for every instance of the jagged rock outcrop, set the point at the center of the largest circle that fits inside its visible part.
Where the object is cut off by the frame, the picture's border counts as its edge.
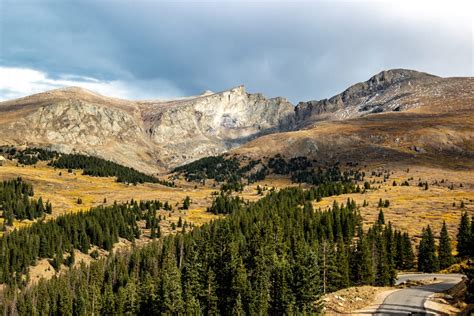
(390, 90)
(148, 135)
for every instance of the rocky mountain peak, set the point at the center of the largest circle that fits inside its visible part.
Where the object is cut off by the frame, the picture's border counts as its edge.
(389, 90)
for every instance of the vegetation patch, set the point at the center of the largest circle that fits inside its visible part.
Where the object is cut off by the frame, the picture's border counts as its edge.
(17, 203)
(97, 167)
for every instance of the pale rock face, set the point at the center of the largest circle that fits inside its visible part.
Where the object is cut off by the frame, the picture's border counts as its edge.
(213, 123)
(148, 135)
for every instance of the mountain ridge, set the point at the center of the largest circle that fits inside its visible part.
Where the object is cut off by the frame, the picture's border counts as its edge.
(149, 135)
(156, 135)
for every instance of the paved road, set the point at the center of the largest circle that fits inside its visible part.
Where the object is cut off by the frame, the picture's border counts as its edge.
(411, 301)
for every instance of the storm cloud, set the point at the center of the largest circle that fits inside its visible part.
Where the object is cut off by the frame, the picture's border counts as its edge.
(160, 49)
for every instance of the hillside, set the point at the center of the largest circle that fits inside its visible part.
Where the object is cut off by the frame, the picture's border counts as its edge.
(147, 135)
(436, 128)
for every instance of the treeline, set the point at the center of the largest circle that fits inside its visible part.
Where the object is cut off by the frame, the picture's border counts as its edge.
(225, 203)
(274, 256)
(101, 226)
(97, 167)
(221, 169)
(324, 175)
(230, 171)
(92, 166)
(280, 165)
(16, 202)
(29, 156)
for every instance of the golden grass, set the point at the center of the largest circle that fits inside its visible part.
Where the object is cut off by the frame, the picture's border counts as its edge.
(411, 207)
(64, 190)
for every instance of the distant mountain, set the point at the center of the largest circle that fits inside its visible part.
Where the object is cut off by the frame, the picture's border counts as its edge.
(147, 135)
(155, 135)
(390, 90)
(397, 116)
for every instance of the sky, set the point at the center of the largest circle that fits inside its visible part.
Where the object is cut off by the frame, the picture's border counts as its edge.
(301, 50)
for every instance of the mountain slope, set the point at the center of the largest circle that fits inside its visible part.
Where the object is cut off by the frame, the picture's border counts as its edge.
(147, 135)
(436, 128)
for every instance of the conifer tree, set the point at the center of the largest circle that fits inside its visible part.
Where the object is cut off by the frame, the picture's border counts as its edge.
(342, 266)
(282, 298)
(381, 218)
(211, 295)
(464, 236)
(472, 239)
(391, 252)
(171, 292)
(408, 255)
(186, 203)
(427, 259)
(444, 250)
(382, 275)
(361, 263)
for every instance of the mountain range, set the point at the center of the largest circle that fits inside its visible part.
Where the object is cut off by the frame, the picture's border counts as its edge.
(396, 114)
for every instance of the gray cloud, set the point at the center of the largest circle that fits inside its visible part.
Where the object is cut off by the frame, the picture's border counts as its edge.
(301, 50)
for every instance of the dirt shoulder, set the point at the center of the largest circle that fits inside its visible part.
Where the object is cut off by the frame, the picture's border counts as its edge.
(354, 299)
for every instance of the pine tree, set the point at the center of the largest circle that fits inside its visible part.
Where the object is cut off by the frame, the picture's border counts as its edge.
(186, 203)
(108, 305)
(464, 236)
(427, 259)
(238, 309)
(444, 250)
(472, 239)
(148, 296)
(211, 295)
(361, 263)
(342, 266)
(408, 255)
(391, 252)
(171, 292)
(382, 274)
(381, 218)
(282, 299)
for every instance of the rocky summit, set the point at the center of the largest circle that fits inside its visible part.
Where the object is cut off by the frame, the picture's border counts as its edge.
(390, 90)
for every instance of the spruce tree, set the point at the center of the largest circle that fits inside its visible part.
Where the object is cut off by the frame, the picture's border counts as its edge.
(342, 266)
(472, 239)
(427, 259)
(408, 255)
(381, 218)
(383, 273)
(464, 236)
(171, 291)
(186, 203)
(361, 262)
(444, 250)
(211, 295)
